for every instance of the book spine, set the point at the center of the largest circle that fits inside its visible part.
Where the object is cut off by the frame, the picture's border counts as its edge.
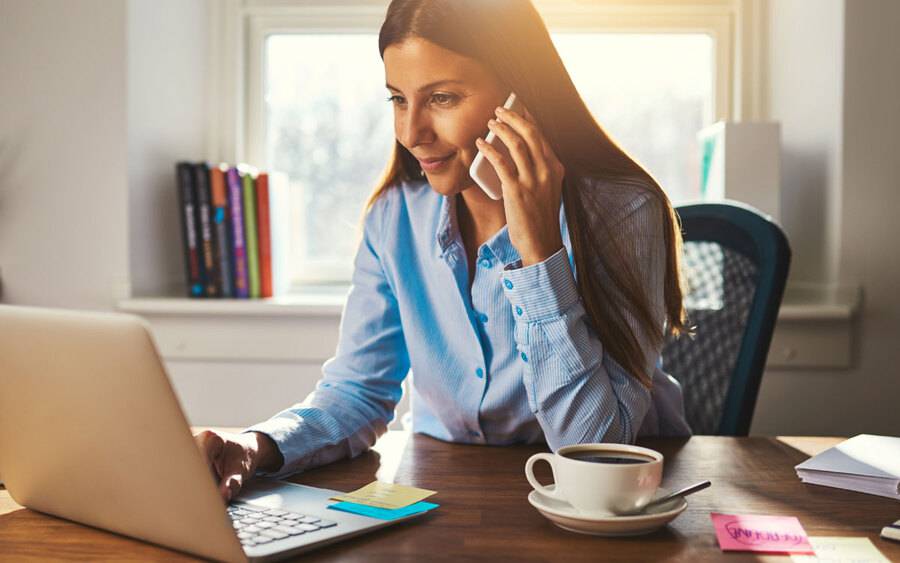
(221, 240)
(207, 243)
(280, 227)
(187, 199)
(265, 235)
(235, 199)
(250, 229)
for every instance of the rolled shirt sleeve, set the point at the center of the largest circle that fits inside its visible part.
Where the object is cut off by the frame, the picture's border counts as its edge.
(354, 401)
(577, 392)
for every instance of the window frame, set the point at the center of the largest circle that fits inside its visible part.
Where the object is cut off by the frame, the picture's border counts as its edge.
(238, 30)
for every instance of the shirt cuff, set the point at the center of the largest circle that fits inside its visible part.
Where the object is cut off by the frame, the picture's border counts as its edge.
(541, 291)
(283, 431)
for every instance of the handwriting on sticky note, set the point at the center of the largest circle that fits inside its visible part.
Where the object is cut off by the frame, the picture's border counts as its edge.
(385, 495)
(842, 550)
(772, 534)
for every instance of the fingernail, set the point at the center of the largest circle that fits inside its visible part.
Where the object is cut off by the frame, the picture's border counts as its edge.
(501, 109)
(492, 122)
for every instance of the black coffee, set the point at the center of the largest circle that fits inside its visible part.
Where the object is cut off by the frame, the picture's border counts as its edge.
(619, 458)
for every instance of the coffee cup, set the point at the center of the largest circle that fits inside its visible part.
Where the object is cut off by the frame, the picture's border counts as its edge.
(600, 480)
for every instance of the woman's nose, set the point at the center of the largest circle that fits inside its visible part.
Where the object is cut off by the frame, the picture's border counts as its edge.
(415, 129)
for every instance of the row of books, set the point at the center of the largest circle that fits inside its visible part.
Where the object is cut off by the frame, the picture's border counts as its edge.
(234, 230)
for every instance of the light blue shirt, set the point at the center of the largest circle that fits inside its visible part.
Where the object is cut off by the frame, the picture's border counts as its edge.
(510, 361)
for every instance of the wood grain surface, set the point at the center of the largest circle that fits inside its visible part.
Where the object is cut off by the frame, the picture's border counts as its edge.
(484, 514)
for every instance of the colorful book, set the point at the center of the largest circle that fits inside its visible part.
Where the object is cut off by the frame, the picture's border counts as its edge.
(188, 202)
(252, 245)
(273, 227)
(222, 241)
(265, 235)
(208, 263)
(236, 212)
(280, 231)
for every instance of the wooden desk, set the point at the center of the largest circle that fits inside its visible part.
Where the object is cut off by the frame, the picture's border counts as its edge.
(484, 513)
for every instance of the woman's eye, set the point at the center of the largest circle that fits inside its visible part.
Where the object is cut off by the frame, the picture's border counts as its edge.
(443, 99)
(396, 99)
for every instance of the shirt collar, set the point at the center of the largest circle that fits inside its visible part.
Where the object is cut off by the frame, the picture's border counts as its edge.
(447, 227)
(499, 245)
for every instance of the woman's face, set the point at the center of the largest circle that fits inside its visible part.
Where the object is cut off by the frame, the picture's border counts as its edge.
(442, 102)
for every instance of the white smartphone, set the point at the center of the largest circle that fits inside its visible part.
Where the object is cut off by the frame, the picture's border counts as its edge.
(482, 171)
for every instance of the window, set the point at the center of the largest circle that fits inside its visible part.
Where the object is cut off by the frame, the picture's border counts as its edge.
(329, 127)
(651, 93)
(314, 100)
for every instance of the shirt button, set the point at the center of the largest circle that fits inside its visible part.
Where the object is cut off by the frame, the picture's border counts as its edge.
(485, 263)
(474, 433)
(482, 317)
(524, 357)
(508, 284)
(518, 310)
(479, 373)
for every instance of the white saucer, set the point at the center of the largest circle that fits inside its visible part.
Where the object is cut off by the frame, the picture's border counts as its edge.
(566, 517)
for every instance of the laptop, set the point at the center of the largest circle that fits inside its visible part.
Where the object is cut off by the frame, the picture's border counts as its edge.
(91, 431)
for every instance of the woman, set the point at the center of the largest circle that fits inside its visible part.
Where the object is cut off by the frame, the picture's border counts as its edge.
(537, 317)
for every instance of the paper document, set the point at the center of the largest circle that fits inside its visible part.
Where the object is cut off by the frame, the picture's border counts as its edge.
(842, 550)
(865, 463)
(866, 455)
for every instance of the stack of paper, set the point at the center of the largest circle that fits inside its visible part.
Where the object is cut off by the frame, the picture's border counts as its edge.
(386, 501)
(864, 463)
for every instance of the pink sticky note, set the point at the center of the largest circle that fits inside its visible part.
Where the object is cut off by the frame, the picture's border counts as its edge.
(772, 534)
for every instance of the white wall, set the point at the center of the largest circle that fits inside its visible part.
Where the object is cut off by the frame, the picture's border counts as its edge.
(167, 50)
(63, 184)
(100, 99)
(805, 93)
(870, 229)
(836, 87)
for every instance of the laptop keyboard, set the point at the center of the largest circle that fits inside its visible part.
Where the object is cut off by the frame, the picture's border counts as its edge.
(257, 525)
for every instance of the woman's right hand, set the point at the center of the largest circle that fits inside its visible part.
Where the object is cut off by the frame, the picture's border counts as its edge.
(234, 458)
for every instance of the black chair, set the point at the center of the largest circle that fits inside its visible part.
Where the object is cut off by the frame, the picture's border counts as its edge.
(735, 266)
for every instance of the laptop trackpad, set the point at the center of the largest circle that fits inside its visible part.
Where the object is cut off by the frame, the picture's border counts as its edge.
(303, 499)
(288, 496)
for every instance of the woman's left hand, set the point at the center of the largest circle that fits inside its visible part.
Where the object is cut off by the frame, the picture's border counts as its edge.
(531, 179)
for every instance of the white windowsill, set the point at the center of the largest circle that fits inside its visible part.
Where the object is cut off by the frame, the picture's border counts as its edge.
(814, 328)
(801, 303)
(808, 302)
(313, 303)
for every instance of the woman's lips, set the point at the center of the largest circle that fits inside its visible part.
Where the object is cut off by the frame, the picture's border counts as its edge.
(434, 164)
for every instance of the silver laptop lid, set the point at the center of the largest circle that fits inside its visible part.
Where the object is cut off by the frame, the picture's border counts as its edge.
(91, 431)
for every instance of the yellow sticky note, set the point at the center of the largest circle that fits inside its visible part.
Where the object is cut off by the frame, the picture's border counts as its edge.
(840, 550)
(386, 495)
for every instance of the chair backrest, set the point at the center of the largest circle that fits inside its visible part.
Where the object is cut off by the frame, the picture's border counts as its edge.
(735, 266)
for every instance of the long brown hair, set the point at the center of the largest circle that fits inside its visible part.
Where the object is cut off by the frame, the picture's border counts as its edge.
(510, 38)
